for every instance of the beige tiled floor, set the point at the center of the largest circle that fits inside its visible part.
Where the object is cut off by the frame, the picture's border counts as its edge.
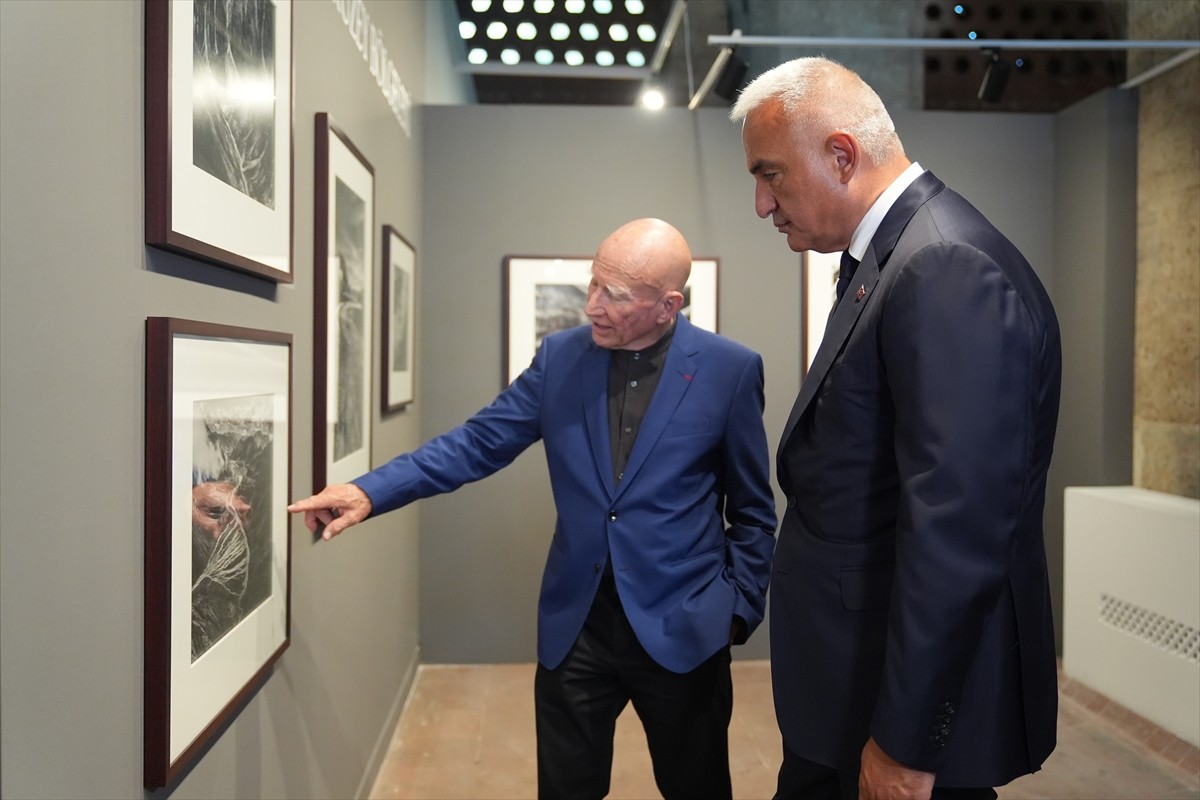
(467, 732)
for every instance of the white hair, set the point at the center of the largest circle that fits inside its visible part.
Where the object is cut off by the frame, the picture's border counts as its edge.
(824, 96)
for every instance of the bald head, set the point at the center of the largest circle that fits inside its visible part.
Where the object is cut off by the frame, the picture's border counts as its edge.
(638, 276)
(649, 252)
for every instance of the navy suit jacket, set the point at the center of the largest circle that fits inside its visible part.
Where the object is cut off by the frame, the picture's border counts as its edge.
(700, 456)
(910, 593)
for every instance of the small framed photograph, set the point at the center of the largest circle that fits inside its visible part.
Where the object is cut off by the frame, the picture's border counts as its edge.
(218, 132)
(218, 569)
(343, 298)
(819, 274)
(399, 328)
(544, 295)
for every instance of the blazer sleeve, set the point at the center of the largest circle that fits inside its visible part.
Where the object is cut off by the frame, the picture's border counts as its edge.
(484, 444)
(749, 502)
(961, 352)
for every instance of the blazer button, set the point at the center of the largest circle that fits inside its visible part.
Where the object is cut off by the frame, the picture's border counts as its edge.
(612, 516)
(791, 500)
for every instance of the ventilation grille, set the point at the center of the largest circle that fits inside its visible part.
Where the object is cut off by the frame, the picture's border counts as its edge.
(1162, 632)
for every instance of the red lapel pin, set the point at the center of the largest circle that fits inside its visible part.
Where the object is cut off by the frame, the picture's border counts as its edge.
(862, 290)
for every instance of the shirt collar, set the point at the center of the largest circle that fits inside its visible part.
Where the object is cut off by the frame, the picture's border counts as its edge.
(878, 210)
(654, 349)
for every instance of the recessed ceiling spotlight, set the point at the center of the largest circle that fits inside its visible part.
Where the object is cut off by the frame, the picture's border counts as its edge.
(605, 58)
(467, 29)
(635, 58)
(527, 31)
(653, 99)
(543, 6)
(618, 32)
(635, 6)
(544, 57)
(510, 56)
(477, 55)
(589, 32)
(573, 57)
(575, 6)
(646, 32)
(496, 30)
(602, 6)
(480, 6)
(560, 31)
(513, 6)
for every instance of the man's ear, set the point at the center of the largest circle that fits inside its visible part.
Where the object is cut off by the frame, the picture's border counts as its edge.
(846, 154)
(672, 302)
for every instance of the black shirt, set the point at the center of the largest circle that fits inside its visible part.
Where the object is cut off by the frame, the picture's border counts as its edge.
(632, 378)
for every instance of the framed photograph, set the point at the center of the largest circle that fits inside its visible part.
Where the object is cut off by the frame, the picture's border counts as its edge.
(819, 274)
(218, 127)
(218, 569)
(544, 295)
(343, 297)
(399, 329)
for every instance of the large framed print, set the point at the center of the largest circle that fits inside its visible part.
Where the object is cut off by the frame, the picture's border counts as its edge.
(344, 272)
(218, 128)
(399, 327)
(217, 555)
(544, 295)
(819, 272)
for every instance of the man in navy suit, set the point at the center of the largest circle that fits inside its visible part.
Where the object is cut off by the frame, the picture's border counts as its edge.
(912, 644)
(661, 551)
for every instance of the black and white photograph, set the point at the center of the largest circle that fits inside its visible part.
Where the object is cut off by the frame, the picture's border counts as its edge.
(399, 324)
(343, 263)
(217, 545)
(819, 274)
(233, 101)
(545, 295)
(218, 133)
(232, 456)
(352, 272)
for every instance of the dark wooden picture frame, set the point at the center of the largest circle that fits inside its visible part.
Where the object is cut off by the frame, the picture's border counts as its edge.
(398, 314)
(217, 543)
(343, 297)
(543, 295)
(218, 133)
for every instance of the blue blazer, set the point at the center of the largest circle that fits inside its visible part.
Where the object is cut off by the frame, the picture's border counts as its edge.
(690, 528)
(910, 598)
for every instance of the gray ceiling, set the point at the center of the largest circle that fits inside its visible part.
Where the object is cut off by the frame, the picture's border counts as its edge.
(904, 78)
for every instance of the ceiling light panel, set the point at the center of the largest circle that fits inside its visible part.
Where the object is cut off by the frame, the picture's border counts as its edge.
(594, 33)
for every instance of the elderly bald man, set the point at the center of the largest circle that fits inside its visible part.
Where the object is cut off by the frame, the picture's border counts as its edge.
(661, 552)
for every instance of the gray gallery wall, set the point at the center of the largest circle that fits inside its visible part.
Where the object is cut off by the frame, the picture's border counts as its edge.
(554, 181)
(453, 579)
(78, 283)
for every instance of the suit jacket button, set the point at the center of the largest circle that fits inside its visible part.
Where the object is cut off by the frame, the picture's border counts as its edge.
(791, 498)
(595, 567)
(612, 516)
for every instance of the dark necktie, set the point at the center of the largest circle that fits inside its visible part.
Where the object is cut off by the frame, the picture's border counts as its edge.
(845, 273)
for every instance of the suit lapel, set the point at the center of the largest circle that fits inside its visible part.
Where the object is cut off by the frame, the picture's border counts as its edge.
(841, 323)
(866, 278)
(678, 370)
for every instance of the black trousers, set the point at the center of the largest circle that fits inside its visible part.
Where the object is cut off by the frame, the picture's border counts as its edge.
(685, 716)
(801, 779)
